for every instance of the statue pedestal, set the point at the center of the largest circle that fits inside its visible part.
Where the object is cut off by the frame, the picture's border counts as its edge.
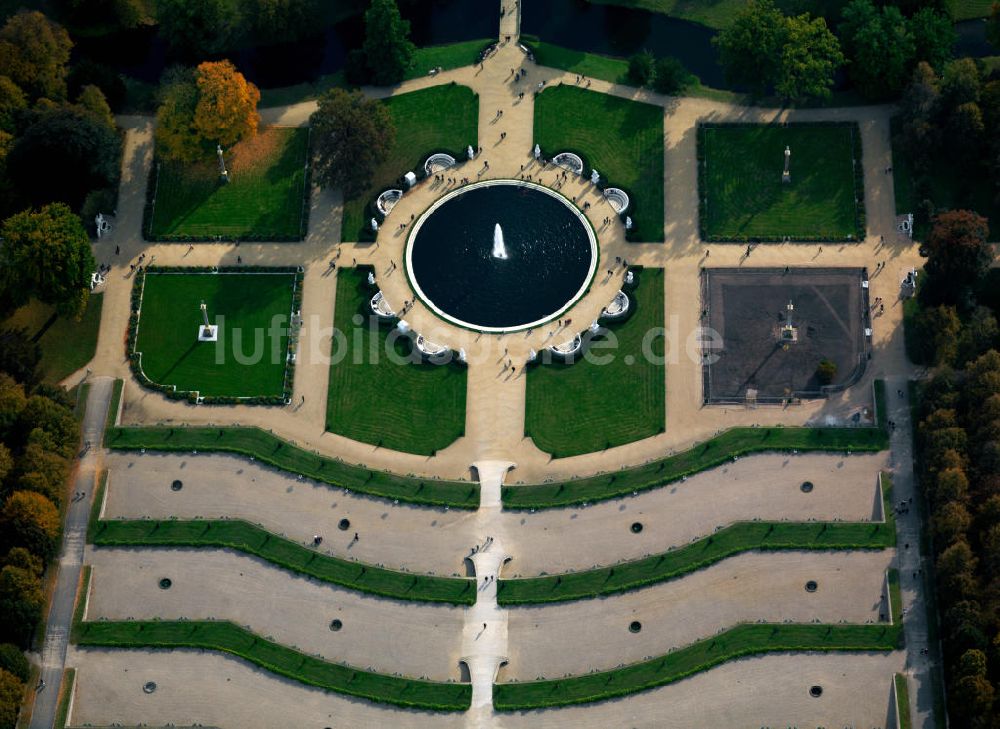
(786, 177)
(209, 333)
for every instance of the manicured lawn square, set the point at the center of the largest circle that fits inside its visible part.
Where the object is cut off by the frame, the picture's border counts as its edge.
(264, 198)
(249, 358)
(743, 196)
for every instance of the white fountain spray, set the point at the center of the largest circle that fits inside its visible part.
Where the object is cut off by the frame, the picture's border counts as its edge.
(499, 249)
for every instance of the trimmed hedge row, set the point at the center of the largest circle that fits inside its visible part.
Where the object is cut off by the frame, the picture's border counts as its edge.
(727, 542)
(135, 358)
(285, 553)
(267, 449)
(731, 444)
(738, 642)
(226, 637)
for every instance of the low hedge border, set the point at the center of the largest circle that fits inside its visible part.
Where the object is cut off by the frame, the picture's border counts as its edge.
(226, 637)
(738, 642)
(267, 449)
(727, 542)
(135, 358)
(285, 553)
(860, 218)
(728, 446)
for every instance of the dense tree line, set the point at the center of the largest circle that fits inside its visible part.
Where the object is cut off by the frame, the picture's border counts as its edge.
(797, 57)
(958, 437)
(951, 118)
(39, 436)
(53, 148)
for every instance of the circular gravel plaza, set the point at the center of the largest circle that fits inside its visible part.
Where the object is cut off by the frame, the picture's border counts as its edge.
(501, 256)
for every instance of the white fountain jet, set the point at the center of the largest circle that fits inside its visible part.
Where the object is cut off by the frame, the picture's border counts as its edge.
(499, 249)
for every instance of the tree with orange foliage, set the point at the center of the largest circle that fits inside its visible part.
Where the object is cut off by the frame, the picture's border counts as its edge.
(226, 111)
(30, 520)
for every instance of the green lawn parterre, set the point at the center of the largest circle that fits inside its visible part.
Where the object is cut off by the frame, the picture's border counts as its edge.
(226, 637)
(396, 403)
(264, 199)
(282, 552)
(743, 198)
(737, 642)
(249, 360)
(726, 542)
(441, 118)
(588, 405)
(622, 139)
(268, 450)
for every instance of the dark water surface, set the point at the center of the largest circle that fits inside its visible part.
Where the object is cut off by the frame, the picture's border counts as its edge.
(549, 256)
(617, 31)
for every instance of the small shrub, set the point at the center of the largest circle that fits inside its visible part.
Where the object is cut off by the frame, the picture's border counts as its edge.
(671, 76)
(826, 371)
(641, 68)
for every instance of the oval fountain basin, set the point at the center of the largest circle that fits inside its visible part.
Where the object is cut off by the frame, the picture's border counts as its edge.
(501, 255)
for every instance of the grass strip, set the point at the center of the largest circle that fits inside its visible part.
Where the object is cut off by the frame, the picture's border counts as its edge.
(116, 398)
(903, 702)
(737, 642)
(82, 591)
(727, 542)
(288, 662)
(731, 444)
(269, 450)
(65, 694)
(285, 553)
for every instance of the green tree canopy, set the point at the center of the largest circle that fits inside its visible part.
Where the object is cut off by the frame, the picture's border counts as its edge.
(763, 48)
(958, 255)
(641, 68)
(34, 52)
(671, 77)
(750, 48)
(933, 36)
(388, 49)
(880, 47)
(11, 693)
(351, 136)
(810, 57)
(197, 28)
(47, 254)
(63, 156)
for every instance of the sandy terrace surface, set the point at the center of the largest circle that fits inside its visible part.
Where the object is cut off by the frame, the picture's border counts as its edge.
(390, 636)
(194, 687)
(577, 637)
(763, 486)
(772, 691)
(215, 486)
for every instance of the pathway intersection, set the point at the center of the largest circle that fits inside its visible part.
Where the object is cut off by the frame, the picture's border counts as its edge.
(494, 447)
